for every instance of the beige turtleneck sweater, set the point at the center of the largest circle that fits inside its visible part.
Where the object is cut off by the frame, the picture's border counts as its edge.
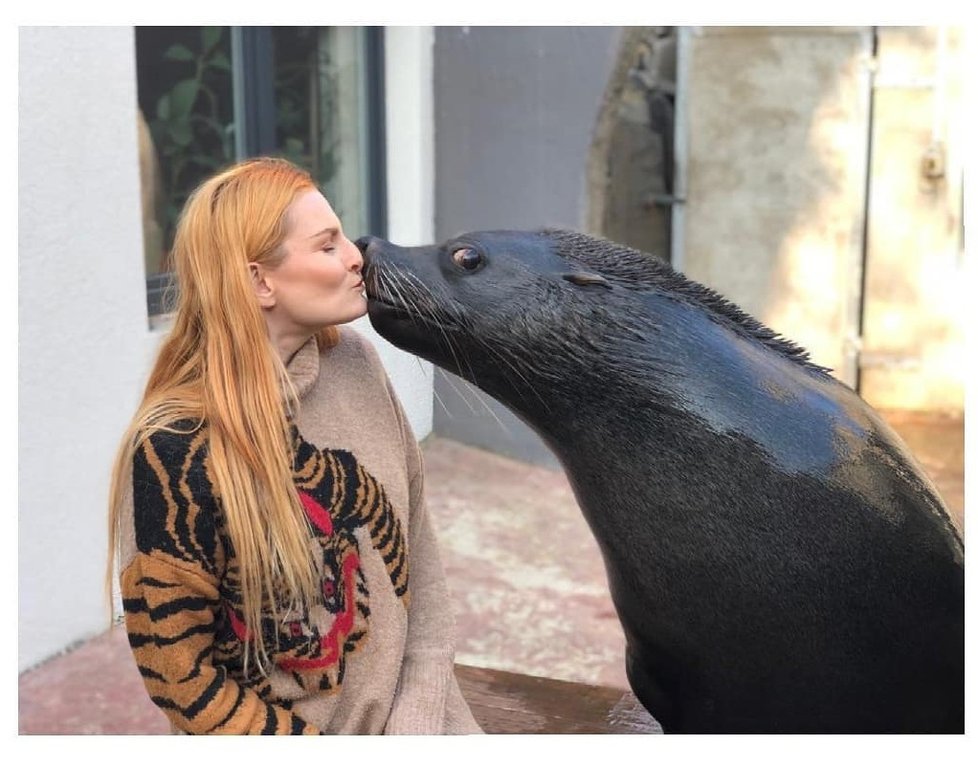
(377, 656)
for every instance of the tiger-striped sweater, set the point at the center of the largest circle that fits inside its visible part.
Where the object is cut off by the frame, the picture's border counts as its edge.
(377, 655)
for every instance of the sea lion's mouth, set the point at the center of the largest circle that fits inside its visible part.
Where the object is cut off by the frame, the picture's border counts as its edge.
(378, 299)
(393, 297)
(386, 306)
(383, 306)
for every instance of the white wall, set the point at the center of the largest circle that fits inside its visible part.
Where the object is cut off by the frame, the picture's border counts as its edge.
(84, 343)
(410, 194)
(82, 319)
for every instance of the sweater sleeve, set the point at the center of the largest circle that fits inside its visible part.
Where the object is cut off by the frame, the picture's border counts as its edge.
(427, 671)
(171, 596)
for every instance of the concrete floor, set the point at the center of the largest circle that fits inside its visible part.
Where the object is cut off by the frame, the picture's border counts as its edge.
(527, 583)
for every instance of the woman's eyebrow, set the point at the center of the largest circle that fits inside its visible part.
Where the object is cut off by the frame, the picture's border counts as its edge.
(332, 231)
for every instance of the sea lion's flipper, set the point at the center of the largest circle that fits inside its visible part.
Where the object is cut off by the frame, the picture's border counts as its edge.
(649, 691)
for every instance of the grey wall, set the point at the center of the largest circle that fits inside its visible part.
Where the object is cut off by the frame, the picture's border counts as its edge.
(515, 114)
(773, 135)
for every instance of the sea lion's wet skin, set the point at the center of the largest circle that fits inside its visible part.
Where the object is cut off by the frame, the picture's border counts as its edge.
(778, 560)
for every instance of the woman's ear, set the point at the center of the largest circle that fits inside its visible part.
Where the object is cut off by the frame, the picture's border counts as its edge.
(264, 290)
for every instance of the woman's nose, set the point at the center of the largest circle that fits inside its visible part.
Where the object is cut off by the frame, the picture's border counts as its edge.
(356, 263)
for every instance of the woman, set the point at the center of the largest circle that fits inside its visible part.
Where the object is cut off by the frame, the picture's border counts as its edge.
(277, 565)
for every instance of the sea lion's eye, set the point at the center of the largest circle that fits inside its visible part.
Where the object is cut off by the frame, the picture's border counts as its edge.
(467, 258)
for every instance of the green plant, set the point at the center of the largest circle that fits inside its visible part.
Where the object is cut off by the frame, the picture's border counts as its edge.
(192, 128)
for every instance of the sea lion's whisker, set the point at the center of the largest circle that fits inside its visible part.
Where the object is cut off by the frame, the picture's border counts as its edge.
(426, 291)
(421, 294)
(396, 291)
(439, 316)
(511, 364)
(444, 302)
(440, 400)
(491, 412)
(381, 280)
(419, 362)
(433, 301)
(448, 377)
(385, 280)
(398, 278)
(432, 315)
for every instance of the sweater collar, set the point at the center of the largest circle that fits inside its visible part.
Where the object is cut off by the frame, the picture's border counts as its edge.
(303, 368)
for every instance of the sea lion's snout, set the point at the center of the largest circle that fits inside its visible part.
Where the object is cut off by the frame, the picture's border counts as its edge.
(402, 284)
(377, 253)
(370, 247)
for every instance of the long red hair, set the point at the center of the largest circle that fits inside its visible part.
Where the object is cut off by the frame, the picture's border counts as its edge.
(217, 366)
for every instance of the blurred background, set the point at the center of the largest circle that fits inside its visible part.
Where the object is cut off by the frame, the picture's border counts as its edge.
(812, 175)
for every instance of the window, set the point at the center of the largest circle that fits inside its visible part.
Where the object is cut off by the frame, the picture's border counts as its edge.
(209, 96)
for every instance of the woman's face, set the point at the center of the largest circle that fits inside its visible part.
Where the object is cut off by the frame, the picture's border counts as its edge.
(318, 283)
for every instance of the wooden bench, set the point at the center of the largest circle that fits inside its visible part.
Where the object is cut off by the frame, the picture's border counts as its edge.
(506, 703)
(96, 689)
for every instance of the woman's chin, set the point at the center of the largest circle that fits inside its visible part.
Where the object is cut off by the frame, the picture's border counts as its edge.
(355, 312)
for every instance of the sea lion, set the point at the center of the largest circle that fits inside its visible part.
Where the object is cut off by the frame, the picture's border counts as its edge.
(778, 560)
